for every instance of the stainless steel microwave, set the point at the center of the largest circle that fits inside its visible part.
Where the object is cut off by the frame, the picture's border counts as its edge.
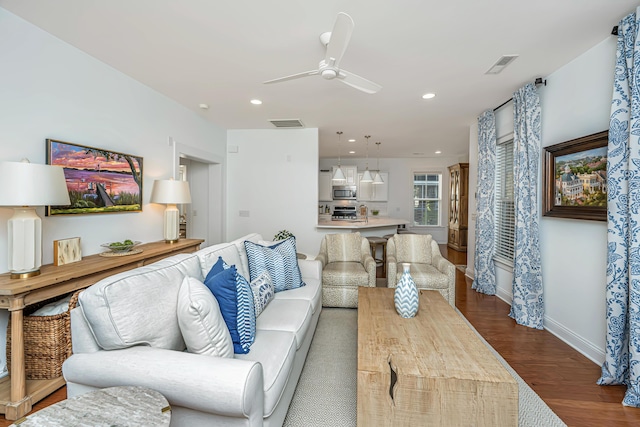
(344, 192)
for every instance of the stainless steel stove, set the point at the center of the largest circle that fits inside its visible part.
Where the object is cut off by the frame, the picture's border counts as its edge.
(344, 213)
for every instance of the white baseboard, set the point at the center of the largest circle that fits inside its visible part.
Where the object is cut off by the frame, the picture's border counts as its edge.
(586, 348)
(565, 335)
(469, 272)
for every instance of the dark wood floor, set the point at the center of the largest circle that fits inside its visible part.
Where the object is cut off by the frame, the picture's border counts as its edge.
(561, 376)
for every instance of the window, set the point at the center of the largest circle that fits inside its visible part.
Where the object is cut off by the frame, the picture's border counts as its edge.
(426, 198)
(504, 209)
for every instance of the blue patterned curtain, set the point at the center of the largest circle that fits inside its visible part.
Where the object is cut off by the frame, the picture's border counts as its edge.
(484, 268)
(527, 307)
(622, 361)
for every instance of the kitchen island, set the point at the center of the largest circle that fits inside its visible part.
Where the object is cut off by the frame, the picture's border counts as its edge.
(370, 226)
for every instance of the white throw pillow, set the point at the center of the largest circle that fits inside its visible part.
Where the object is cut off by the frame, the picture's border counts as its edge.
(263, 291)
(201, 323)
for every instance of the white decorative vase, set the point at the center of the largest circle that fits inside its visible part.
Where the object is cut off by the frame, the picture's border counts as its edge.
(406, 294)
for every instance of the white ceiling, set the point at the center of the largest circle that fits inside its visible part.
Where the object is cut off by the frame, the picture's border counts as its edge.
(219, 53)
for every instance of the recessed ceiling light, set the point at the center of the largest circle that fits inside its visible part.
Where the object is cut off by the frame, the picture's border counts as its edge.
(352, 152)
(204, 106)
(352, 140)
(428, 95)
(256, 102)
(438, 152)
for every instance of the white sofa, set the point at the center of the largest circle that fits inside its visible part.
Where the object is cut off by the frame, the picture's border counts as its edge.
(252, 389)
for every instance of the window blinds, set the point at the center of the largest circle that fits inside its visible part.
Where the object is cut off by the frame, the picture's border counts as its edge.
(504, 209)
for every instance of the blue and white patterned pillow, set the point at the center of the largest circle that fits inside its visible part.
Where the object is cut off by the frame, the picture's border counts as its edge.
(280, 260)
(263, 291)
(235, 298)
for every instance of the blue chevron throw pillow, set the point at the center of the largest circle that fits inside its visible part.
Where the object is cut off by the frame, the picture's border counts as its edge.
(280, 260)
(235, 298)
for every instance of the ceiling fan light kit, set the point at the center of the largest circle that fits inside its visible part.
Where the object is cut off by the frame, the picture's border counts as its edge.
(336, 43)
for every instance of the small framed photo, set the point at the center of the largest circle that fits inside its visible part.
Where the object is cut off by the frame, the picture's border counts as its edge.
(575, 178)
(66, 251)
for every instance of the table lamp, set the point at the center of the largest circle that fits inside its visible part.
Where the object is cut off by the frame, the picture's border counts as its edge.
(170, 192)
(24, 185)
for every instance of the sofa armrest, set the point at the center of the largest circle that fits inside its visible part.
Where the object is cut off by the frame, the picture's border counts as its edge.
(322, 257)
(225, 386)
(311, 268)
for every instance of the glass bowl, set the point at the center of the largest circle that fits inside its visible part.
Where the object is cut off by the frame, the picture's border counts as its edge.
(120, 247)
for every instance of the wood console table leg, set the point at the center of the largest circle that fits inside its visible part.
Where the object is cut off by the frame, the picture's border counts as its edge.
(19, 404)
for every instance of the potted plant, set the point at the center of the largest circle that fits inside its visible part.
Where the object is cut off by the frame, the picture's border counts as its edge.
(282, 235)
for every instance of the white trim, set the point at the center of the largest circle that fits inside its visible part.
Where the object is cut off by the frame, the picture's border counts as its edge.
(586, 348)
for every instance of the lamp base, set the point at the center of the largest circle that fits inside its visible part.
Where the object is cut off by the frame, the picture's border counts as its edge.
(171, 226)
(171, 241)
(25, 275)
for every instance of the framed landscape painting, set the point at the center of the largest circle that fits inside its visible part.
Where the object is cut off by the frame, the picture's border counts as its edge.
(575, 178)
(98, 180)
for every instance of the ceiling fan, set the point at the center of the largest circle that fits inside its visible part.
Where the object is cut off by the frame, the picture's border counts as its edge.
(336, 43)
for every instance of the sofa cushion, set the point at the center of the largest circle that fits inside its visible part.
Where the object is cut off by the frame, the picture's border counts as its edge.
(233, 293)
(209, 256)
(280, 260)
(311, 293)
(263, 291)
(344, 247)
(276, 352)
(139, 306)
(287, 315)
(201, 323)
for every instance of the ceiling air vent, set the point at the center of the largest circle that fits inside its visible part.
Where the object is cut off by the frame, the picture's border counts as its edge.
(287, 123)
(501, 64)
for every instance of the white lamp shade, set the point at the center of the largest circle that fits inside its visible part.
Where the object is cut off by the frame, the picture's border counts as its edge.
(339, 175)
(168, 191)
(378, 178)
(31, 184)
(366, 176)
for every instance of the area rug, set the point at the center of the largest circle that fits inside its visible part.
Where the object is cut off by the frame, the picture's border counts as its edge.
(326, 391)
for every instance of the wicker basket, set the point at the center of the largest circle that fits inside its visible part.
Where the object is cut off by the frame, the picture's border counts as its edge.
(47, 342)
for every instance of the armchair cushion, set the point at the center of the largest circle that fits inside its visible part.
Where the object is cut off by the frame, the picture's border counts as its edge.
(341, 273)
(344, 247)
(413, 248)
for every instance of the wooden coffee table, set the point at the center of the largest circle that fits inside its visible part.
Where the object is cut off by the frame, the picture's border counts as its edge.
(428, 370)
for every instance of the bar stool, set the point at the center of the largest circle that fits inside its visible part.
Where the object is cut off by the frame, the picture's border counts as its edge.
(374, 241)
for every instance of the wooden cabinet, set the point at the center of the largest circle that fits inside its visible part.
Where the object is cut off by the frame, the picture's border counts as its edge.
(324, 186)
(458, 206)
(17, 395)
(369, 192)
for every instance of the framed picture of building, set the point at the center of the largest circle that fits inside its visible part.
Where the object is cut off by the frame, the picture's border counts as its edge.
(575, 178)
(98, 180)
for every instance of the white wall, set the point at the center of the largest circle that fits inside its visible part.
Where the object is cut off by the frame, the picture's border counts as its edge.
(400, 201)
(575, 103)
(53, 90)
(272, 176)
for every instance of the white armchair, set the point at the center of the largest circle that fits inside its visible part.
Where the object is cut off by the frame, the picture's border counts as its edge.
(429, 269)
(346, 264)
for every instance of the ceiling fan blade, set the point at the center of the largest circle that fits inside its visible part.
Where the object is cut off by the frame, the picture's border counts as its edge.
(293, 76)
(358, 82)
(340, 36)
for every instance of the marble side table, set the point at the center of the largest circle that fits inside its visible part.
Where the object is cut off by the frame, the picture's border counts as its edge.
(109, 407)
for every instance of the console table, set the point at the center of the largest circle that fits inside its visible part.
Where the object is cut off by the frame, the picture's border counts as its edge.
(17, 394)
(429, 370)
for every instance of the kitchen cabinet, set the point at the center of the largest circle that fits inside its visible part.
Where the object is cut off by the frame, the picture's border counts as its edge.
(458, 206)
(369, 192)
(350, 173)
(324, 187)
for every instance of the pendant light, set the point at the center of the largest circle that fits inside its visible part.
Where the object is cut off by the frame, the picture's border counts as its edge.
(378, 178)
(366, 176)
(338, 175)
